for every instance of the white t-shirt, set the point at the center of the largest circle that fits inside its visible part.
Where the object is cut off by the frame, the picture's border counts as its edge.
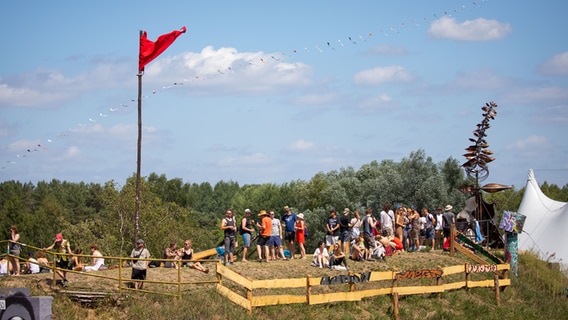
(4, 267)
(439, 218)
(275, 228)
(34, 266)
(422, 222)
(318, 252)
(387, 219)
(356, 227)
(98, 261)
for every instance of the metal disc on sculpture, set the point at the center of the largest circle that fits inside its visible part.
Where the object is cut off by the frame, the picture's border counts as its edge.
(495, 187)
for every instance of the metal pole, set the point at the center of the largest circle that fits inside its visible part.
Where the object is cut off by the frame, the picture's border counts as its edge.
(139, 153)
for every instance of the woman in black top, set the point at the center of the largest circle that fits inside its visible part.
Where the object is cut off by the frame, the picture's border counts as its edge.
(186, 254)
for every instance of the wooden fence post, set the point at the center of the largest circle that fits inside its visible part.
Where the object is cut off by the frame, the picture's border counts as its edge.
(351, 283)
(120, 276)
(219, 276)
(395, 298)
(178, 264)
(452, 240)
(467, 276)
(439, 283)
(497, 296)
(308, 289)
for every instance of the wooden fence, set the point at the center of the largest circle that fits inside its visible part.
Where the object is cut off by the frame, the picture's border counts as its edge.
(123, 276)
(395, 283)
(309, 290)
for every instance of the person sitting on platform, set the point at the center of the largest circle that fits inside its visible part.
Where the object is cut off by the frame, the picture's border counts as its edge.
(358, 249)
(171, 253)
(186, 254)
(337, 258)
(97, 260)
(77, 261)
(31, 266)
(321, 257)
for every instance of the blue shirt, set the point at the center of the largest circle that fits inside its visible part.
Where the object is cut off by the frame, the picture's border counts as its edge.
(289, 221)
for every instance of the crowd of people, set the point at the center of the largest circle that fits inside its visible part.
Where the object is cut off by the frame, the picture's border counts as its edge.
(272, 234)
(66, 259)
(347, 237)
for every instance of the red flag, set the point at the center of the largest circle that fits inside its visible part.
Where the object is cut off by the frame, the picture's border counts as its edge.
(150, 50)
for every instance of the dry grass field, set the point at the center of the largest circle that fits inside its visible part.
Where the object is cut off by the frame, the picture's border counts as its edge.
(201, 301)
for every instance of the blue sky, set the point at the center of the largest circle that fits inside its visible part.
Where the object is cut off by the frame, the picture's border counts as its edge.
(260, 91)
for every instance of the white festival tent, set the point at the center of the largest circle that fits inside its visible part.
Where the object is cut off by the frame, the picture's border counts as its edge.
(546, 224)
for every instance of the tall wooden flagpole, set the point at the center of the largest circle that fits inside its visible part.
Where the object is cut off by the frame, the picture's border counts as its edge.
(149, 50)
(139, 153)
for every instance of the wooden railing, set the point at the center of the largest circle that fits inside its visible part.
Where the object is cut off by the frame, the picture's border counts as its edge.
(307, 290)
(395, 283)
(124, 270)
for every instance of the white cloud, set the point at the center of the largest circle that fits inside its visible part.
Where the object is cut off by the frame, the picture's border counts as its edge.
(27, 97)
(233, 71)
(6, 128)
(532, 147)
(555, 66)
(388, 50)
(374, 104)
(532, 95)
(479, 29)
(316, 99)
(72, 152)
(301, 145)
(245, 161)
(381, 75)
(482, 79)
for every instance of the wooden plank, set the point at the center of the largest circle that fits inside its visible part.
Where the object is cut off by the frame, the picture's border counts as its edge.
(479, 248)
(85, 292)
(314, 281)
(469, 254)
(260, 301)
(374, 292)
(335, 297)
(233, 276)
(453, 270)
(454, 285)
(418, 290)
(204, 254)
(382, 275)
(481, 284)
(279, 283)
(237, 299)
(504, 282)
(503, 266)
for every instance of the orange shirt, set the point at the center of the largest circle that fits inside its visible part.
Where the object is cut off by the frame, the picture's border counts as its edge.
(266, 226)
(398, 243)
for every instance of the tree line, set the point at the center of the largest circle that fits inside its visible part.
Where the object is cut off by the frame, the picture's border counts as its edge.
(173, 210)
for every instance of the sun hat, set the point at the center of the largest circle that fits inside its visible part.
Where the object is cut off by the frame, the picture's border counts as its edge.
(448, 208)
(301, 216)
(140, 241)
(346, 210)
(58, 237)
(262, 213)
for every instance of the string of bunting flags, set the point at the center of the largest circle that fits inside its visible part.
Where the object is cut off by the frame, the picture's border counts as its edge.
(367, 38)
